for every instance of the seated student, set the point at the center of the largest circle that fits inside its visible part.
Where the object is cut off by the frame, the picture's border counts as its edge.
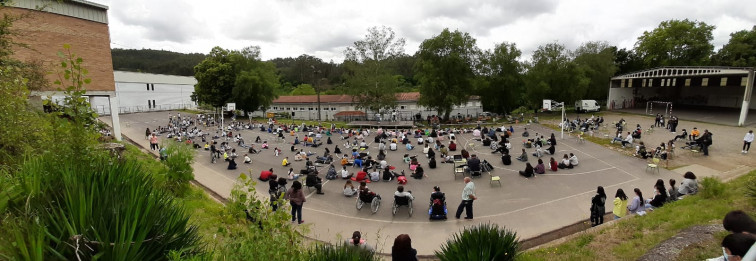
(447, 159)
(473, 164)
(358, 162)
(257, 140)
(329, 141)
(432, 163)
(506, 159)
(337, 150)
(528, 172)
(387, 174)
(551, 150)
(247, 160)
(636, 134)
(525, 133)
(573, 160)
(419, 173)
(285, 162)
(400, 178)
(265, 145)
(553, 165)
(345, 173)
(207, 146)
(673, 194)
(362, 175)
(296, 140)
(523, 157)
(392, 146)
(683, 135)
(689, 185)
(265, 174)
(292, 175)
(738, 246)
(406, 159)
(617, 138)
(232, 164)
(431, 154)
(375, 175)
(694, 134)
(426, 149)
(401, 193)
(539, 152)
(540, 168)
(452, 146)
(409, 146)
(465, 154)
(225, 156)
(565, 163)
(313, 180)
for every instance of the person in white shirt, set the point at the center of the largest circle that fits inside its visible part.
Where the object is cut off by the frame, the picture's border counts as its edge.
(401, 193)
(573, 159)
(392, 146)
(247, 159)
(747, 141)
(628, 139)
(345, 173)
(383, 164)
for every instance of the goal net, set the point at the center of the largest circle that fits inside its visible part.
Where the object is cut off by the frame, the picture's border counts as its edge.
(665, 108)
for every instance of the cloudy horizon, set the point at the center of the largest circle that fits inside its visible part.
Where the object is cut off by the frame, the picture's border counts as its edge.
(289, 28)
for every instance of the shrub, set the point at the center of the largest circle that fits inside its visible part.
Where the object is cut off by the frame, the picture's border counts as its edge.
(340, 252)
(92, 207)
(179, 163)
(481, 242)
(712, 187)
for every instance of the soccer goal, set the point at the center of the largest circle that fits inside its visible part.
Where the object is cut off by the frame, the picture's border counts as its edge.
(661, 107)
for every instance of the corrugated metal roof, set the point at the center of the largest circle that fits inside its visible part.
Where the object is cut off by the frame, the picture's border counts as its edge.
(81, 9)
(122, 76)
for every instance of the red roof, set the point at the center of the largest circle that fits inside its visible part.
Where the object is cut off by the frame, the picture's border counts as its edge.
(349, 113)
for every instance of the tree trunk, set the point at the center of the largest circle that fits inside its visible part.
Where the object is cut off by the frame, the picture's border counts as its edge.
(446, 115)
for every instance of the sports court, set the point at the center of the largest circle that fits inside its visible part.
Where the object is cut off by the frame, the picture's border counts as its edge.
(528, 206)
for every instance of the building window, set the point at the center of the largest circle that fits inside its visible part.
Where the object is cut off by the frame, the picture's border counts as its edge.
(650, 82)
(333, 108)
(402, 107)
(622, 83)
(744, 81)
(309, 109)
(723, 82)
(153, 104)
(149, 105)
(629, 83)
(153, 86)
(705, 82)
(301, 108)
(674, 82)
(148, 86)
(663, 83)
(687, 82)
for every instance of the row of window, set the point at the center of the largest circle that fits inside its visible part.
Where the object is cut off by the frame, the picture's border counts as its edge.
(673, 82)
(151, 104)
(150, 87)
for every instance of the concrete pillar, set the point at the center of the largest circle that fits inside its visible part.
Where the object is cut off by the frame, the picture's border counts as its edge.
(746, 99)
(113, 101)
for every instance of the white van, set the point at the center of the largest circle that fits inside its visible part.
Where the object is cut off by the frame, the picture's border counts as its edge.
(587, 106)
(551, 105)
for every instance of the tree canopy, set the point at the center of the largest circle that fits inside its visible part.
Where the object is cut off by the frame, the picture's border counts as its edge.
(502, 73)
(235, 76)
(445, 69)
(676, 43)
(740, 50)
(553, 75)
(155, 61)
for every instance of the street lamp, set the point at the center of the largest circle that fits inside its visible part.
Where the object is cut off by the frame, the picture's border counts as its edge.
(317, 87)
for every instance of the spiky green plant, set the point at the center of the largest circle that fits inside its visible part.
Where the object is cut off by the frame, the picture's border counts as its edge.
(481, 242)
(93, 207)
(340, 252)
(179, 162)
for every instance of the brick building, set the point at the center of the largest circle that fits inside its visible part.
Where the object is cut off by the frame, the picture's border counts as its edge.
(81, 24)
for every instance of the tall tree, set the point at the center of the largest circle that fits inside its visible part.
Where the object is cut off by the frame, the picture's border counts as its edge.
(676, 43)
(502, 86)
(627, 61)
(236, 76)
(739, 51)
(445, 69)
(596, 59)
(368, 76)
(553, 75)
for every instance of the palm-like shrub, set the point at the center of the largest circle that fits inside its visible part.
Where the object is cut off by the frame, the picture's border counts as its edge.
(340, 252)
(91, 207)
(481, 242)
(179, 163)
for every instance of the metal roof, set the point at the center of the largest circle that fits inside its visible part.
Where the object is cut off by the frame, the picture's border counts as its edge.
(678, 71)
(137, 77)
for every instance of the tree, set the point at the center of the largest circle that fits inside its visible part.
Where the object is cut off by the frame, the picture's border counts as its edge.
(236, 76)
(739, 51)
(446, 70)
(553, 75)
(500, 92)
(596, 59)
(304, 89)
(215, 78)
(676, 43)
(627, 61)
(368, 76)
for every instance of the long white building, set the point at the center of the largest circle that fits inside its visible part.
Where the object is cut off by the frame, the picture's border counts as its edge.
(140, 92)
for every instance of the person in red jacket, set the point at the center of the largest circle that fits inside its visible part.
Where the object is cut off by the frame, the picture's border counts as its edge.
(452, 146)
(361, 175)
(265, 174)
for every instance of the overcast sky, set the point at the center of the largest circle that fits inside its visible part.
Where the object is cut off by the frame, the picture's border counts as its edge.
(323, 28)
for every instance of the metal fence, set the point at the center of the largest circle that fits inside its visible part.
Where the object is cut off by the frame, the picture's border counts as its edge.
(105, 110)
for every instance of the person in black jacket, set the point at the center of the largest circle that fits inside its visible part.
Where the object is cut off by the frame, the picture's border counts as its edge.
(660, 195)
(528, 172)
(598, 208)
(506, 159)
(402, 249)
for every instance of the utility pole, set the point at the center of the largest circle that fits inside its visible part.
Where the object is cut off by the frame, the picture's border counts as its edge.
(562, 123)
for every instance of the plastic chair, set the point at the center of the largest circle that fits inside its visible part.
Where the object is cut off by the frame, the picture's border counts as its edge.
(495, 178)
(653, 165)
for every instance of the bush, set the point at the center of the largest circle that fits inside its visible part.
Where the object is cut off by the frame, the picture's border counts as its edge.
(92, 207)
(179, 162)
(521, 109)
(481, 242)
(712, 187)
(340, 252)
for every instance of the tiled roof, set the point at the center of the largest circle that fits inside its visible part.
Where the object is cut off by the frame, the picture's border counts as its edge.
(400, 97)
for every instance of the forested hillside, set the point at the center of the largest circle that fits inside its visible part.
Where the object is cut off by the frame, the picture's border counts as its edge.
(155, 61)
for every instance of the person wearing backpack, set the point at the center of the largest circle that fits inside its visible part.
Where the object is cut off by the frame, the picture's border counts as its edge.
(278, 193)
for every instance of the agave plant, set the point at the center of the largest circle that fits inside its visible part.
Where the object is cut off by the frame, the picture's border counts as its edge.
(340, 252)
(481, 242)
(95, 208)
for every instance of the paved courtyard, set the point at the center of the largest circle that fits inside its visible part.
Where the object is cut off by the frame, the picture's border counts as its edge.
(528, 206)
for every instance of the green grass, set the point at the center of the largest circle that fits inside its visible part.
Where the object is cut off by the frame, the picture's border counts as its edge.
(207, 213)
(634, 236)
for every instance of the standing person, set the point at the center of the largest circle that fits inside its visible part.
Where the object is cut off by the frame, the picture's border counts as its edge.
(296, 198)
(620, 204)
(747, 141)
(402, 249)
(147, 134)
(598, 203)
(153, 142)
(468, 195)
